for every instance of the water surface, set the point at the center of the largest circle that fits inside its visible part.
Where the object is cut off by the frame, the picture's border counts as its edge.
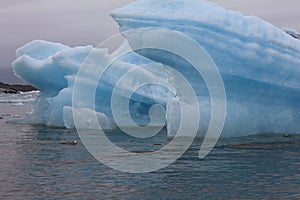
(35, 165)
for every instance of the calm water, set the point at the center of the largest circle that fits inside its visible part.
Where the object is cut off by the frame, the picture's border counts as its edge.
(35, 165)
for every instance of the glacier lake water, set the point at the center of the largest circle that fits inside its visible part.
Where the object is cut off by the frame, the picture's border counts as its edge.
(36, 165)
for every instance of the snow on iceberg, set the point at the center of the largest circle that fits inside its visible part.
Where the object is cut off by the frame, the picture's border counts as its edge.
(258, 62)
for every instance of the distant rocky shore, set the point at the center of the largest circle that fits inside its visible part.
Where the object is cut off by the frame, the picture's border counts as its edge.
(13, 89)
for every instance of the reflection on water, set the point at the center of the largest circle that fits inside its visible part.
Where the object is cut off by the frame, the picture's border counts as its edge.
(35, 165)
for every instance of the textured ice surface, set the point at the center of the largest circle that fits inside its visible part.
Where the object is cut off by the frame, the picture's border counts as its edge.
(87, 114)
(53, 72)
(259, 64)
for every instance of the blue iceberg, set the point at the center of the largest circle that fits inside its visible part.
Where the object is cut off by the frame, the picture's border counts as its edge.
(52, 68)
(258, 63)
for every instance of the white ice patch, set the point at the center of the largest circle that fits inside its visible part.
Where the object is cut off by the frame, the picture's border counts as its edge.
(87, 121)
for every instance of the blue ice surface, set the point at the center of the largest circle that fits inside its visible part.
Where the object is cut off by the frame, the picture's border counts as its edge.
(258, 62)
(55, 72)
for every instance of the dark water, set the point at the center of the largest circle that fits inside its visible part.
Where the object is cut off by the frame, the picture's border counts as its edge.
(35, 165)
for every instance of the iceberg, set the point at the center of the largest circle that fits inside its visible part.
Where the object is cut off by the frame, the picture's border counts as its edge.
(54, 72)
(258, 63)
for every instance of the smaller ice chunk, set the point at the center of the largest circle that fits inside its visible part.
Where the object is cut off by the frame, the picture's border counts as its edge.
(55, 71)
(174, 115)
(54, 112)
(89, 121)
(173, 121)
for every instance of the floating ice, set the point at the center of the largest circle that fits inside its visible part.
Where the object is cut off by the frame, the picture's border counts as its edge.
(19, 98)
(258, 62)
(54, 73)
(87, 114)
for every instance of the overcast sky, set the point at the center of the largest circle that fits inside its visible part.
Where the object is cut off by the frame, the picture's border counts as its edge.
(82, 22)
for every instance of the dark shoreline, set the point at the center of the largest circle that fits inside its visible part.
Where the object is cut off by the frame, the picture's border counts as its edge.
(7, 88)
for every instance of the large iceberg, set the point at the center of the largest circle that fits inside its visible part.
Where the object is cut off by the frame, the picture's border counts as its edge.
(259, 65)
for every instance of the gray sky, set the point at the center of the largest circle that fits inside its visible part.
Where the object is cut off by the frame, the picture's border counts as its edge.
(83, 22)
